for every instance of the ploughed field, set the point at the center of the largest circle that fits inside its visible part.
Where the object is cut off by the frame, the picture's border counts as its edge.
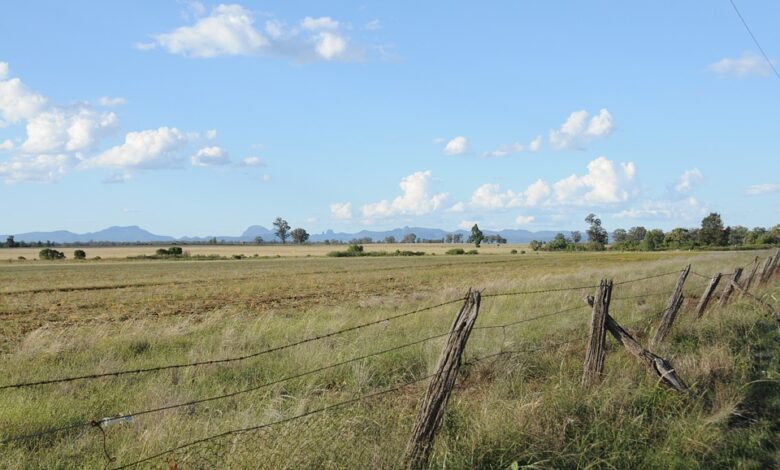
(68, 318)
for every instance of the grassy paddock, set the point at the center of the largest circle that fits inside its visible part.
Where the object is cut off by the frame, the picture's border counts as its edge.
(59, 319)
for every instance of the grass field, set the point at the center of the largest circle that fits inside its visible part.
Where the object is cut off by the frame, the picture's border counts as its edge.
(68, 318)
(272, 250)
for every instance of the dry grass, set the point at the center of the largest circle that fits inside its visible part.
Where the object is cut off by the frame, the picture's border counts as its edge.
(69, 318)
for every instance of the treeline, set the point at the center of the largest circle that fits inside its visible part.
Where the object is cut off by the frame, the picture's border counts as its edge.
(712, 234)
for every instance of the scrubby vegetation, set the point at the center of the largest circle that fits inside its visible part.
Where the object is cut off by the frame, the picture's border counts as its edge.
(357, 250)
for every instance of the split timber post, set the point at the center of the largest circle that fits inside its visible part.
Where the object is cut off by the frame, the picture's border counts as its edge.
(594, 355)
(750, 278)
(707, 295)
(672, 307)
(434, 403)
(656, 364)
(729, 289)
(765, 269)
(773, 266)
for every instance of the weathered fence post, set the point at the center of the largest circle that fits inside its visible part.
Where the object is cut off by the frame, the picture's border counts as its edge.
(672, 307)
(729, 289)
(751, 276)
(434, 403)
(774, 267)
(594, 355)
(707, 295)
(655, 363)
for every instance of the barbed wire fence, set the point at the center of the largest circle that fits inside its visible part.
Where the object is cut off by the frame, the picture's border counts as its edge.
(601, 322)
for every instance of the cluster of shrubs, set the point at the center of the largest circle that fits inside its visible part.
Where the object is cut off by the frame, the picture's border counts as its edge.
(461, 251)
(357, 250)
(50, 253)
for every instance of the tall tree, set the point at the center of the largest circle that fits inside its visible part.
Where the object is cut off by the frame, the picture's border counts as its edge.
(597, 235)
(282, 229)
(299, 236)
(712, 231)
(576, 236)
(476, 236)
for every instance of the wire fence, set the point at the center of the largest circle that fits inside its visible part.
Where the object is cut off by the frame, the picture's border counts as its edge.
(101, 422)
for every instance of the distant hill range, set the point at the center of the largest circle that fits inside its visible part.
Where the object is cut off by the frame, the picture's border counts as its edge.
(135, 234)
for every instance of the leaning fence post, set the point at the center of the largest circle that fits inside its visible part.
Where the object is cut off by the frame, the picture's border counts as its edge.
(672, 307)
(766, 269)
(707, 295)
(749, 280)
(434, 403)
(774, 267)
(729, 289)
(594, 355)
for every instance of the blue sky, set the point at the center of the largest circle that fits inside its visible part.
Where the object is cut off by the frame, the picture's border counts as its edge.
(191, 118)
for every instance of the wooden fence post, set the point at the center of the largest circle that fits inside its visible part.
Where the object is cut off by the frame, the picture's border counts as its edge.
(766, 270)
(707, 295)
(656, 364)
(672, 307)
(751, 276)
(434, 403)
(729, 289)
(775, 266)
(594, 355)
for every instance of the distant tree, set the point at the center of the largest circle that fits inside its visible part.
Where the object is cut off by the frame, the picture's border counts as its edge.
(48, 253)
(10, 242)
(619, 235)
(282, 229)
(558, 243)
(409, 238)
(636, 234)
(212, 241)
(597, 235)
(712, 231)
(535, 245)
(389, 239)
(576, 236)
(299, 236)
(457, 238)
(654, 239)
(678, 238)
(476, 236)
(447, 238)
(79, 254)
(258, 240)
(737, 235)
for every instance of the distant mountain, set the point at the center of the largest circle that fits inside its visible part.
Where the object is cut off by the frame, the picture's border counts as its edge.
(133, 233)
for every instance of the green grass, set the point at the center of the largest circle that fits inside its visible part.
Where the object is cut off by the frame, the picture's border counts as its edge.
(525, 408)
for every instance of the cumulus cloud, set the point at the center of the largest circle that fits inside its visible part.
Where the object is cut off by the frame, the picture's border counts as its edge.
(457, 207)
(457, 146)
(341, 210)
(688, 180)
(535, 144)
(6, 145)
(415, 199)
(490, 196)
(41, 168)
(759, 189)
(153, 148)
(524, 219)
(108, 101)
(59, 130)
(231, 30)
(505, 150)
(578, 129)
(252, 161)
(748, 65)
(210, 156)
(17, 102)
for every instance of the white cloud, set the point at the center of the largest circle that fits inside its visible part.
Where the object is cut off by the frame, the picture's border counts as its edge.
(323, 22)
(3, 70)
(759, 189)
(489, 196)
(59, 130)
(578, 129)
(252, 161)
(524, 219)
(210, 156)
(505, 150)
(211, 134)
(688, 209)
(153, 148)
(605, 183)
(42, 168)
(6, 145)
(536, 193)
(108, 101)
(341, 210)
(414, 200)
(17, 102)
(457, 146)
(457, 207)
(688, 179)
(746, 66)
(535, 144)
(118, 178)
(373, 25)
(230, 30)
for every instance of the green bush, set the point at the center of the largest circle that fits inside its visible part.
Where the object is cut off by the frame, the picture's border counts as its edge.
(49, 253)
(514, 252)
(456, 251)
(79, 254)
(472, 252)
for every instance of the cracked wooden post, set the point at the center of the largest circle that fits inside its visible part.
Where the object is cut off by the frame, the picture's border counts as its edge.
(707, 295)
(594, 355)
(672, 307)
(434, 403)
(775, 266)
(766, 269)
(656, 364)
(729, 289)
(750, 278)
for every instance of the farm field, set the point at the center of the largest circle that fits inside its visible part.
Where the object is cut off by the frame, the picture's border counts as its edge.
(67, 318)
(270, 250)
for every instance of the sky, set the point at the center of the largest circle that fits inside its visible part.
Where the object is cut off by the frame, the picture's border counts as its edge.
(200, 118)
